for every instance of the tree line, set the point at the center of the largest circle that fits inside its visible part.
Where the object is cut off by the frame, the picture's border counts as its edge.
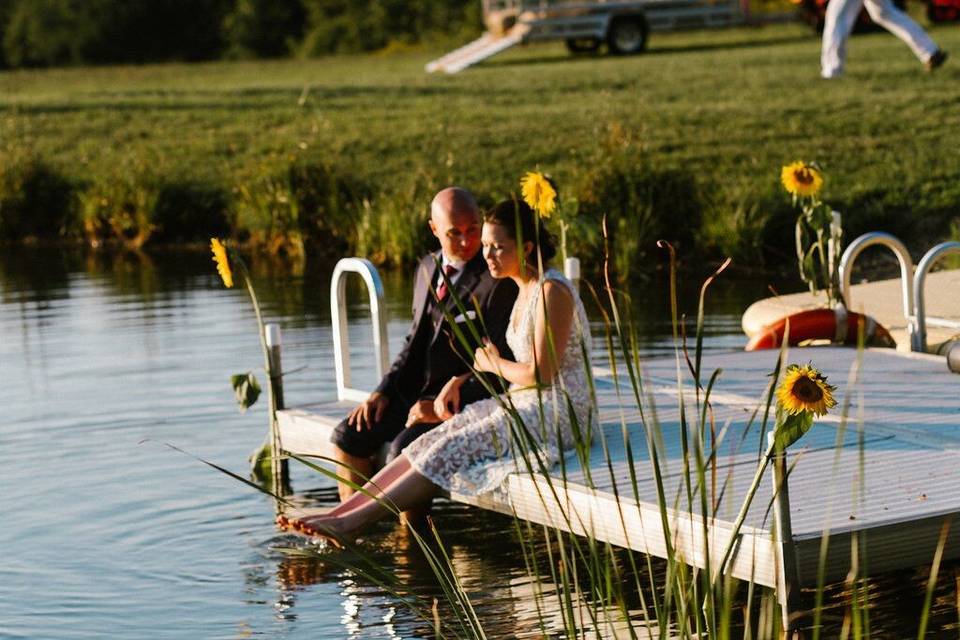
(42, 33)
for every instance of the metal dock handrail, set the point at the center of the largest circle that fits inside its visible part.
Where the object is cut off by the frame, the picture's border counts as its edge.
(912, 281)
(906, 269)
(338, 321)
(918, 338)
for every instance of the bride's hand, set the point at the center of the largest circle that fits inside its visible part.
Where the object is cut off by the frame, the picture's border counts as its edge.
(485, 358)
(447, 401)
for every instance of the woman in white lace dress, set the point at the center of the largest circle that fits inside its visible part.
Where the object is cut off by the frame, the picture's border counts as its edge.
(474, 451)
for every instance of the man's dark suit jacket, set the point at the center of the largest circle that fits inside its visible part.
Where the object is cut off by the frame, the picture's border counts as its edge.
(432, 353)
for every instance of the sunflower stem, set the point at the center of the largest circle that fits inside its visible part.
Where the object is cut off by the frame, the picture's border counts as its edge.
(277, 473)
(744, 508)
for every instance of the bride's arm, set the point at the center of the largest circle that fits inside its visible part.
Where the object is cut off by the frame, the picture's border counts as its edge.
(549, 341)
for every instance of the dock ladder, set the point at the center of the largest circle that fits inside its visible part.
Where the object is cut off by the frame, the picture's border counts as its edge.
(338, 322)
(912, 280)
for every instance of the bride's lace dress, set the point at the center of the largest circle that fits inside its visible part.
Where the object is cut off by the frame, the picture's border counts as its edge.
(474, 451)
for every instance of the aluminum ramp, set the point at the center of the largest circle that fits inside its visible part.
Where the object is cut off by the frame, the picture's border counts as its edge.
(485, 46)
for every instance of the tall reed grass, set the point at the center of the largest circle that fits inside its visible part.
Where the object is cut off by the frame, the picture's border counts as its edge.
(291, 204)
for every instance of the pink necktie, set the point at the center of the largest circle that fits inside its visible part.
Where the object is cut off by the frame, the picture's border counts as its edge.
(448, 271)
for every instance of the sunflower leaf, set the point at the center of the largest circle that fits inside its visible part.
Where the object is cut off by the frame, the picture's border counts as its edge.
(790, 427)
(246, 388)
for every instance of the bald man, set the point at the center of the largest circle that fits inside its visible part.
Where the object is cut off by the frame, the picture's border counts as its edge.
(401, 408)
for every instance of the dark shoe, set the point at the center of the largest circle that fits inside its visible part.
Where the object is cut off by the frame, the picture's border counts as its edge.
(937, 59)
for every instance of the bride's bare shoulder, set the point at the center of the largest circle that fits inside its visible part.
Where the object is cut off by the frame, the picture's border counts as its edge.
(556, 296)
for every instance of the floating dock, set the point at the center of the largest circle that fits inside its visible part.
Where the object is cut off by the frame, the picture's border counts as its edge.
(885, 469)
(879, 474)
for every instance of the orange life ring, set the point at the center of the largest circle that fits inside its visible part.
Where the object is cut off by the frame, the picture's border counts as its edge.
(837, 325)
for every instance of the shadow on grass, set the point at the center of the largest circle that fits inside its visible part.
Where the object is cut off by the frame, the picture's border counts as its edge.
(250, 99)
(690, 48)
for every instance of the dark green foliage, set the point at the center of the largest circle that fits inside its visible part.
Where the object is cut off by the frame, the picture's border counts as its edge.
(367, 25)
(119, 205)
(58, 32)
(68, 32)
(263, 28)
(35, 199)
(246, 389)
(285, 204)
(45, 32)
(6, 7)
(642, 203)
(328, 201)
(391, 227)
(190, 210)
(156, 30)
(879, 209)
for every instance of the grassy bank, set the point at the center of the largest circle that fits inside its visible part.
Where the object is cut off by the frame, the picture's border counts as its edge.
(344, 153)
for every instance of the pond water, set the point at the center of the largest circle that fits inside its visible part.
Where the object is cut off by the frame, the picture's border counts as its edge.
(109, 533)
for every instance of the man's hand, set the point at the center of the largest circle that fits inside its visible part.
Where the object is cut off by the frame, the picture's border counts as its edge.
(447, 402)
(369, 412)
(422, 413)
(486, 358)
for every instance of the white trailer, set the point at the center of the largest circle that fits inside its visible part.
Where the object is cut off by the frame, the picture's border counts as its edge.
(623, 26)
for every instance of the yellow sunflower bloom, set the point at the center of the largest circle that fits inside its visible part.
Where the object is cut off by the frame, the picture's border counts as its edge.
(805, 389)
(539, 193)
(801, 179)
(223, 263)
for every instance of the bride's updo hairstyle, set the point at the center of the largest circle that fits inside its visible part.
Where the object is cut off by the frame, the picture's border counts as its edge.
(516, 215)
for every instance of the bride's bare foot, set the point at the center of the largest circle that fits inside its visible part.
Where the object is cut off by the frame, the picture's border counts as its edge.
(323, 525)
(315, 523)
(289, 516)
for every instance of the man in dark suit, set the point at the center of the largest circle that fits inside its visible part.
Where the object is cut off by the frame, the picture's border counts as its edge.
(401, 408)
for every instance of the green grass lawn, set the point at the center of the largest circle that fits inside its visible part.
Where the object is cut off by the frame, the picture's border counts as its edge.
(726, 107)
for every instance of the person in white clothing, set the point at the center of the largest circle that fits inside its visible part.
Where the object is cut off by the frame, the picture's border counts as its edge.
(840, 18)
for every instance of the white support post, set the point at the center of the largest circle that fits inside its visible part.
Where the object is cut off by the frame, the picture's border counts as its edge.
(274, 344)
(278, 466)
(571, 269)
(834, 245)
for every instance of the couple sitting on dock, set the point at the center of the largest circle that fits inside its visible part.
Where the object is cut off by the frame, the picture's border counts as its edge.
(492, 378)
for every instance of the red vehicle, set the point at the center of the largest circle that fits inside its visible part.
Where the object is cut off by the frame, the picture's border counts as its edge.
(813, 12)
(943, 10)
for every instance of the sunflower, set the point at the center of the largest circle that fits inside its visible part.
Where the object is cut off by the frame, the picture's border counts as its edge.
(223, 263)
(801, 179)
(805, 389)
(538, 192)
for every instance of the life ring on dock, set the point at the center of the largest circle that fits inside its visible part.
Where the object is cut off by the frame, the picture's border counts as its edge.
(837, 325)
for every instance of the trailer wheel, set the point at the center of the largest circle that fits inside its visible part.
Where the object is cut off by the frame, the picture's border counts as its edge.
(627, 35)
(582, 45)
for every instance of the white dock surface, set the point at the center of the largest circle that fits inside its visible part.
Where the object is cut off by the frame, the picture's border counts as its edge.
(889, 470)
